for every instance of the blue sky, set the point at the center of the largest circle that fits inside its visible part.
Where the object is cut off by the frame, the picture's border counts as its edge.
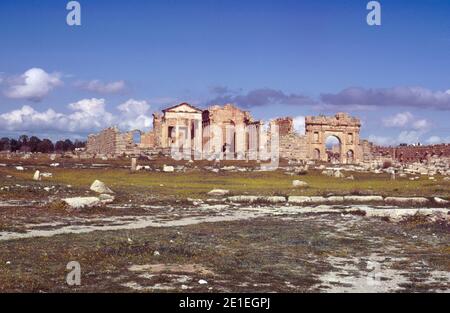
(275, 58)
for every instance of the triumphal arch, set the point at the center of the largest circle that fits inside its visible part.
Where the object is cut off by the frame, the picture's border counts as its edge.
(342, 126)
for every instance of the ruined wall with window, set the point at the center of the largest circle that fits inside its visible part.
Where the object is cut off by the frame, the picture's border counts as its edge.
(342, 126)
(292, 145)
(229, 132)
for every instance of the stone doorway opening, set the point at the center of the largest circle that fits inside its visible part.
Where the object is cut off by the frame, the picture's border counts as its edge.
(350, 157)
(333, 149)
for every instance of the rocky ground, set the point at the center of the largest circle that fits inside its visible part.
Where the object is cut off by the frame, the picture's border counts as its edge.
(256, 232)
(231, 248)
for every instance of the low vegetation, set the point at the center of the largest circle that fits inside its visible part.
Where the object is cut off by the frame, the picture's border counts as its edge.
(197, 183)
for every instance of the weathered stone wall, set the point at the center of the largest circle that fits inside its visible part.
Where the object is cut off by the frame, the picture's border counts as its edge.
(111, 142)
(292, 145)
(226, 130)
(411, 154)
(148, 140)
(343, 127)
(103, 143)
(228, 124)
(285, 125)
(367, 150)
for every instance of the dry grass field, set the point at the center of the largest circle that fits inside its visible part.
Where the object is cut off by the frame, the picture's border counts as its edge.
(153, 239)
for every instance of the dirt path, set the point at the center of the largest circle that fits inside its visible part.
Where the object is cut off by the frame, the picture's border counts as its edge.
(207, 214)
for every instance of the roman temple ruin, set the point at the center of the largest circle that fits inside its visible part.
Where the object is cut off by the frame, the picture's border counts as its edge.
(227, 132)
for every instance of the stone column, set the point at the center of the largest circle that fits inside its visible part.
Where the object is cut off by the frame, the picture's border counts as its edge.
(133, 164)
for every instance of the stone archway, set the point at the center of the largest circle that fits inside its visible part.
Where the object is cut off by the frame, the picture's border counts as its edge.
(333, 149)
(316, 154)
(136, 136)
(350, 156)
(341, 126)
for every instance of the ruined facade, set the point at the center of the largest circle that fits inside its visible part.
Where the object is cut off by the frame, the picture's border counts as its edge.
(230, 131)
(318, 129)
(227, 132)
(292, 145)
(341, 126)
(111, 141)
(182, 122)
(410, 154)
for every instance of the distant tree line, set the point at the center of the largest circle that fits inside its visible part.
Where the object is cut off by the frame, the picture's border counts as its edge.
(35, 144)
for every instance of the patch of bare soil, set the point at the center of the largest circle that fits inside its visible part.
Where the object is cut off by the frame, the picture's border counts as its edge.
(295, 252)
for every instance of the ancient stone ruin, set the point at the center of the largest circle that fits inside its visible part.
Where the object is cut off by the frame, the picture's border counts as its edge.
(410, 154)
(111, 141)
(311, 146)
(227, 132)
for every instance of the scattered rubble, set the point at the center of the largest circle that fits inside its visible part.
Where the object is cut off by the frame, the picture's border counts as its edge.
(37, 175)
(299, 183)
(440, 200)
(218, 192)
(100, 187)
(168, 169)
(82, 202)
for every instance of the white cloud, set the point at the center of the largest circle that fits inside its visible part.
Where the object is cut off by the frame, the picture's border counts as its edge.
(406, 136)
(398, 120)
(92, 106)
(436, 140)
(87, 115)
(103, 87)
(33, 85)
(409, 137)
(136, 113)
(134, 107)
(421, 125)
(418, 97)
(406, 120)
(299, 124)
(381, 140)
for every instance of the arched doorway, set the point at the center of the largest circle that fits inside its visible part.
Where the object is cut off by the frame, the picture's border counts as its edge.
(316, 154)
(350, 156)
(136, 135)
(344, 127)
(333, 148)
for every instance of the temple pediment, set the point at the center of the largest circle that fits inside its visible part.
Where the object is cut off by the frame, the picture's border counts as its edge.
(183, 108)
